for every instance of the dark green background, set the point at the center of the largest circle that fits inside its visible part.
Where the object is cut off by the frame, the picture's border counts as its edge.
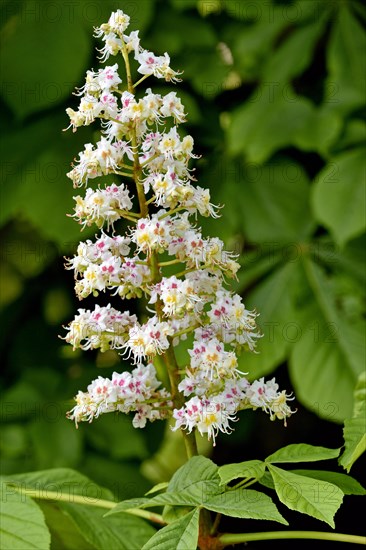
(275, 98)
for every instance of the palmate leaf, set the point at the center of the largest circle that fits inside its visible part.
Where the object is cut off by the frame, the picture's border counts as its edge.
(180, 535)
(313, 497)
(191, 485)
(22, 523)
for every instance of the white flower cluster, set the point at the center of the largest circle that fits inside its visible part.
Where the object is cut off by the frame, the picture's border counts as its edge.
(104, 328)
(104, 264)
(126, 392)
(142, 146)
(212, 414)
(102, 206)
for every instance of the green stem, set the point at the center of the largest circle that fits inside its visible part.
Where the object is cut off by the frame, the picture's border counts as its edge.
(190, 443)
(123, 174)
(244, 483)
(182, 273)
(169, 355)
(151, 200)
(216, 524)
(171, 262)
(136, 163)
(141, 80)
(150, 159)
(237, 538)
(88, 501)
(186, 330)
(128, 213)
(170, 212)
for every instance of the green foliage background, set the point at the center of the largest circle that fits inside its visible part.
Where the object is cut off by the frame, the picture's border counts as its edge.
(275, 95)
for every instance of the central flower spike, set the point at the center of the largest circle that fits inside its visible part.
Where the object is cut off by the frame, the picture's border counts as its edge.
(154, 191)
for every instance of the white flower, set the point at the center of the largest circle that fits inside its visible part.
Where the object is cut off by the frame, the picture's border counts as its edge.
(102, 206)
(208, 415)
(118, 21)
(172, 106)
(148, 340)
(151, 234)
(125, 392)
(104, 328)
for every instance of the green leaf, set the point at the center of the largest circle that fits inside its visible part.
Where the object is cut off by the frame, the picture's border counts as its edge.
(272, 298)
(19, 401)
(326, 360)
(158, 487)
(313, 497)
(172, 513)
(13, 440)
(198, 477)
(123, 478)
(273, 118)
(360, 395)
(103, 438)
(319, 132)
(346, 483)
(351, 258)
(245, 503)
(278, 195)
(192, 485)
(338, 196)
(355, 441)
(22, 525)
(65, 481)
(354, 430)
(59, 447)
(251, 44)
(127, 505)
(64, 533)
(42, 72)
(354, 134)
(43, 167)
(294, 55)
(175, 27)
(207, 72)
(251, 469)
(195, 495)
(180, 535)
(125, 532)
(301, 452)
(345, 86)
